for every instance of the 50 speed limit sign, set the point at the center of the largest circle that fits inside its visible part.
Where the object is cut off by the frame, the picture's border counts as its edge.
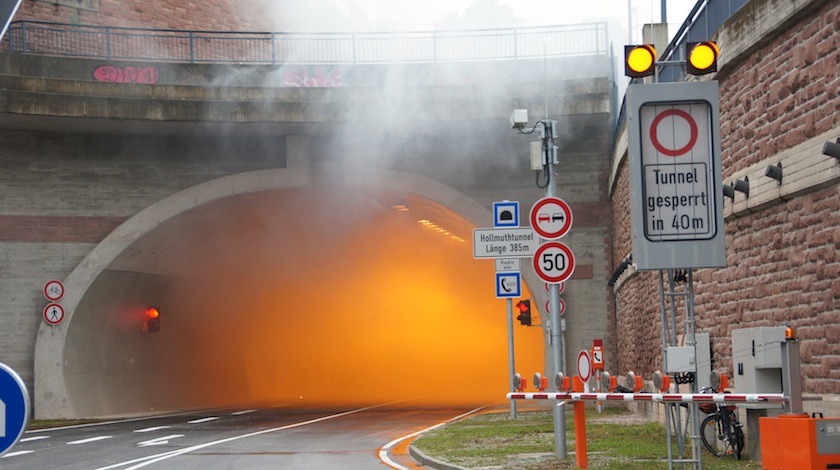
(554, 262)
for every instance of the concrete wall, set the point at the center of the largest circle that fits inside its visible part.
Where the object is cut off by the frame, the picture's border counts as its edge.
(779, 78)
(82, 158)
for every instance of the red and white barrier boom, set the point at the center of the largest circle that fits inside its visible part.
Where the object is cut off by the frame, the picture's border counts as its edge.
(656, 397)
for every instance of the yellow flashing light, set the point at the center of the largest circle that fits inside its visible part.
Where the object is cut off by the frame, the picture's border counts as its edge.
(701, 57)
(639, 60)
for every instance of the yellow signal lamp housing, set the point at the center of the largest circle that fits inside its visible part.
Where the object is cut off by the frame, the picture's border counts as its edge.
(701, 57)
(639, 60)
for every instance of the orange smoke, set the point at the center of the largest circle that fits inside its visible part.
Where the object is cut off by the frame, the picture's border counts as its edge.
(341, 301)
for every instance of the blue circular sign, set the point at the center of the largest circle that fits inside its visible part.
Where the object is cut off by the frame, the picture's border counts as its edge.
(14, 408)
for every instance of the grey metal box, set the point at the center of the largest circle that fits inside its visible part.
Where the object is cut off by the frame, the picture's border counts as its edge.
(757, 360)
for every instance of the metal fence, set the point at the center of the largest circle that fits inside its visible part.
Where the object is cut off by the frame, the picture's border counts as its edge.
(117, 43)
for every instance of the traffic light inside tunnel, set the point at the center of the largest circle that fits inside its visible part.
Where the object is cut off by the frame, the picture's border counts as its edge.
(318, 300)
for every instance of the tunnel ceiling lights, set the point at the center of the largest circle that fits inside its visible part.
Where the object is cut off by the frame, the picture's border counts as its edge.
(438, 229)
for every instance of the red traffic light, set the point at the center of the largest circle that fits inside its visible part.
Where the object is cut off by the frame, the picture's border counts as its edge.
(524, 316)
(152, 323)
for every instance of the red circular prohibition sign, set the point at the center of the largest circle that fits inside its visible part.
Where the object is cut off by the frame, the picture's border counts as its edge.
(675, 152)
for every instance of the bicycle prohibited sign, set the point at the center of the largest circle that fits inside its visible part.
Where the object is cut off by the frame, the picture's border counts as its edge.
(554, 262)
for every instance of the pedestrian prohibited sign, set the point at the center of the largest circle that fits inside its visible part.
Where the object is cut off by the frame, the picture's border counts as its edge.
(554, 262)
(53, 314)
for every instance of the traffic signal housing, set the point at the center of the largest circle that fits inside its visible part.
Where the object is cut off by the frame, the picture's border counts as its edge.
(524, 316)
(639, 60)
(152, 322)
(701, 57)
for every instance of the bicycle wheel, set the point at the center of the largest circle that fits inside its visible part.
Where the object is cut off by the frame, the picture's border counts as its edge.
(710, 433)
(738, 446)
(715, 438)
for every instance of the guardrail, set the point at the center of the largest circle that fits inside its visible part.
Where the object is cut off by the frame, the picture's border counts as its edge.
(118, 43)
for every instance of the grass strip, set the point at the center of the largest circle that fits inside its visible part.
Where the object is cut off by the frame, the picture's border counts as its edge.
(616, 439)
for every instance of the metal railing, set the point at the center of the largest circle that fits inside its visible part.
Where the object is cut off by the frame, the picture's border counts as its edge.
(118, 43)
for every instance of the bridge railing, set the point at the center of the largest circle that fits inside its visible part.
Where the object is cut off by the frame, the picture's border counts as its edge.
(118, 43)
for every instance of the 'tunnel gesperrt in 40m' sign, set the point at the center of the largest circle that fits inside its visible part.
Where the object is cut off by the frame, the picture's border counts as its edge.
(675, 175)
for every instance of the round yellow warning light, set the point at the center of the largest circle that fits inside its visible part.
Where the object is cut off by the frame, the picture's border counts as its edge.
(639, 60)
(702, 57)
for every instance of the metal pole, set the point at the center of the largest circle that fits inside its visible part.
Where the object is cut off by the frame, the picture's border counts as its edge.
(556, 332)
(511, 362)
(791, 378)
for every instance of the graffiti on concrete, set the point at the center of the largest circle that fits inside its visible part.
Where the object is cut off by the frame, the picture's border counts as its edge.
(128, 74)
(313, 77)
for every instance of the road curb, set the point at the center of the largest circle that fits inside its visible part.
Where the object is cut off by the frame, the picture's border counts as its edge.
(431, 462)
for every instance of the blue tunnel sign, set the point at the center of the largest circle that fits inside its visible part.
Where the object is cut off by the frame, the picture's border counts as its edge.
(14, 408)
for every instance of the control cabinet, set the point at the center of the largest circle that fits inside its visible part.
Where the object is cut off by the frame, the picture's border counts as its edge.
(757, 361)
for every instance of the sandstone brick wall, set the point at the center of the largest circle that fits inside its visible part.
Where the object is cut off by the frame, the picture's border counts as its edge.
(214, 15)
(783, 265)
(784, 93)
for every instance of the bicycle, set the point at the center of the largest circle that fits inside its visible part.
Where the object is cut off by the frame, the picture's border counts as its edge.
(721, 431)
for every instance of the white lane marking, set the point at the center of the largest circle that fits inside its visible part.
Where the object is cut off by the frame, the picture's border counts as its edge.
(90, 439)
(36, 438)
(152, 429)
(159, 441)
(15, 454)
(203, 420)
(105, 423)
(144, 461)
(383, 452)
(243, 412)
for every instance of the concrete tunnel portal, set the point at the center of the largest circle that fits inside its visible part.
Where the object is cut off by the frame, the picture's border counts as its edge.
(274, 291)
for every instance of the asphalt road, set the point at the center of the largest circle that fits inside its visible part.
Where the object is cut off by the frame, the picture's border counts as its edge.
(362, 438)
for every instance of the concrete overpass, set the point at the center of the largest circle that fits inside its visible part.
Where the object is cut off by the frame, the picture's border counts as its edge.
(277, 229)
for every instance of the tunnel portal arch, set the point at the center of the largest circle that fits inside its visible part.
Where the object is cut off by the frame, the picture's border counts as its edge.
(56, 396)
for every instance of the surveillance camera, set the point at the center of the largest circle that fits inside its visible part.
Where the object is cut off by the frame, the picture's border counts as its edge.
(519, 118)
(832, 149)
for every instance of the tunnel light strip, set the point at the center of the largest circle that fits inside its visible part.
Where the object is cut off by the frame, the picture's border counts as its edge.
(655, 397)
(437, 228)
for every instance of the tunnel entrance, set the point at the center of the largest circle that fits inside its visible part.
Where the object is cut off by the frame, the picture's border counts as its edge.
(295, 296)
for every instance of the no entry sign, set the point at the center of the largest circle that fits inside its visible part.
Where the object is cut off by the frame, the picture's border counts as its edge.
(675, 175)
(676, 165)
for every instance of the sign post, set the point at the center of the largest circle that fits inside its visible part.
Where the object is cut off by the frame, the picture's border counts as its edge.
(14, 408)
